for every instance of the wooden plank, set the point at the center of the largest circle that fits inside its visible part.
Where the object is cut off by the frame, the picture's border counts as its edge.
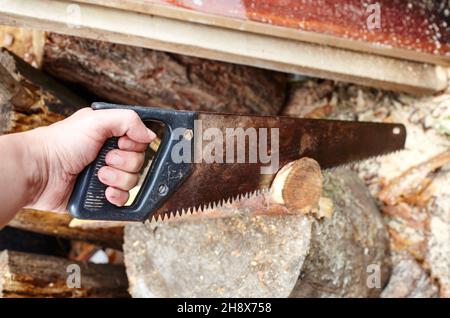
(417, 31)
(224, 44)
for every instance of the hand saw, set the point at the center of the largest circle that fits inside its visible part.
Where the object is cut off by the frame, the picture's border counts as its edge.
(188, 172)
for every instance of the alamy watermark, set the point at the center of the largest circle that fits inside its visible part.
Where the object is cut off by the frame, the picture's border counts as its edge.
(228, 145)
(373, 12)
(373, 276)
(73, 17)
(73, 279)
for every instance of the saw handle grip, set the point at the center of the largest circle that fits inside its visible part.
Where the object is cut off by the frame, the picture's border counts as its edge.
(88, 199)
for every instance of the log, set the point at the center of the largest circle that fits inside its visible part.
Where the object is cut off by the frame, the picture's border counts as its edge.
(409, 280)
(308, 99)
(33, 275)
(138, 76)
(25, 43)
(59, 224)
(186, 37)
(350, 249)
(263, 249)
(29, 98)
(438, 245)
(407, 186)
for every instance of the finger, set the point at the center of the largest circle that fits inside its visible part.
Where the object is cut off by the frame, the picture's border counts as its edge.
(125, 143)
(120, 122)
(117, 178)
(116, 196)
(128, 161)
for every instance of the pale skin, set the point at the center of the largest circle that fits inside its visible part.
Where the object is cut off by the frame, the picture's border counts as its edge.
(38, 168)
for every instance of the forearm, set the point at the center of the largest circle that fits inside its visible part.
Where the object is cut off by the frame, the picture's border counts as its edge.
(20, 173)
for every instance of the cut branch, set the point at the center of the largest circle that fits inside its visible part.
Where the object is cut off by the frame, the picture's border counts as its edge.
(295, 190)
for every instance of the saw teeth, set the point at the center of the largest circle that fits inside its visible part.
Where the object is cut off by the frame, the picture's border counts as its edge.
(204, 208)
(155, 219)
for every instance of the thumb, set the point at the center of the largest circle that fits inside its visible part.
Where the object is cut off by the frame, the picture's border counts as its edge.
(120, 122)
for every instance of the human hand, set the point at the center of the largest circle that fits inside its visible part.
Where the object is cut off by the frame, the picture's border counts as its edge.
(65, 148)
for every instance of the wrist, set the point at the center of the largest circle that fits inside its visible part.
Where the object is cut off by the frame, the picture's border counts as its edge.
(34, 163)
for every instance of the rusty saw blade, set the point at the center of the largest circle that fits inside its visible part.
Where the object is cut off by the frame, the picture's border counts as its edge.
(330, 142)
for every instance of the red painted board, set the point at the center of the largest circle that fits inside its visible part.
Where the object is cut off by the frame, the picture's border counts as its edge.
(414, 25)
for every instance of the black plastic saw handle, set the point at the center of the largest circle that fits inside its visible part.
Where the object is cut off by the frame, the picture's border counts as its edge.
(88, 199)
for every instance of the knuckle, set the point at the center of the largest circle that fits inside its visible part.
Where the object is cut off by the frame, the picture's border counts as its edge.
(134, 180)
(83, 111)
(133, 117)
(126, 143)
(128, 180)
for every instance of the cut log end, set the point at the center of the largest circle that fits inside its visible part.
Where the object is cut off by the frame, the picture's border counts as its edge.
(298, 186)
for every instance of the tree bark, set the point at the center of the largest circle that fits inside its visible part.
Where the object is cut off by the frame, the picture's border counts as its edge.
(138, 76)
(29, 98)
(263, 248)
(32, 275)
(409, 279)
(308, 99)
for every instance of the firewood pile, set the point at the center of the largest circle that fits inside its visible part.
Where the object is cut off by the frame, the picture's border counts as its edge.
(378, 228)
